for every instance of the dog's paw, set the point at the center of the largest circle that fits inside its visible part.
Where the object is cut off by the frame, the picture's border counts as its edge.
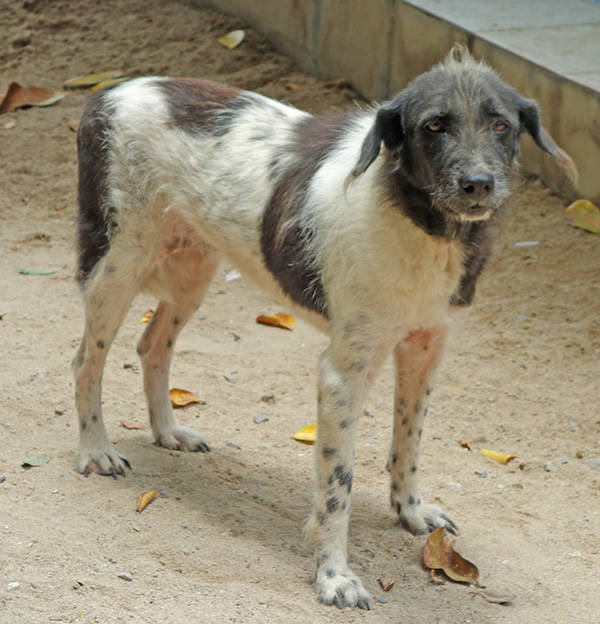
(180, 438)
(104, 459)
(342, 588)
(418, 518)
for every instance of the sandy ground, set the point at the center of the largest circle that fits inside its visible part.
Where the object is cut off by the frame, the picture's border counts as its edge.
(225, 543)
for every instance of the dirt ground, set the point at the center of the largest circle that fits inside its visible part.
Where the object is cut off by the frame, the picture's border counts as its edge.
(224, 543)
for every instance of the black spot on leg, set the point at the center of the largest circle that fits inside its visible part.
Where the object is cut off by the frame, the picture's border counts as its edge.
(321, 559)
(83, 425)
(330, 573)
(394, 487)
(94, 417)
(328, 452)
(100, 344)
(428, 391)
(344, 424)
(394, 458)
(176, 320)
(151, 414)
(398, 508)
(321, 518)
(169, 343)
(410, 431)
(405, 420)
(420, 433)
(333, 504)
(418, 406)
(425, 412)
(411, 500)
(413, 468)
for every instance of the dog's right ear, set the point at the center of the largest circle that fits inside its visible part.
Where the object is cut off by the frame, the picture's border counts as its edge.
(387, 128)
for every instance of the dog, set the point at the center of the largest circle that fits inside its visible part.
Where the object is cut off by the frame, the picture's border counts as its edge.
(368, 223)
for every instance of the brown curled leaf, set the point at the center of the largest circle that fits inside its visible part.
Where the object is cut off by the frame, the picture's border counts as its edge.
(385, 585)
(464, 443)
(146, 318)
(439, 554)
(18, 96)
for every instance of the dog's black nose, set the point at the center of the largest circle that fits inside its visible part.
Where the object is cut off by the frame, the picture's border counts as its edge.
(477, 185)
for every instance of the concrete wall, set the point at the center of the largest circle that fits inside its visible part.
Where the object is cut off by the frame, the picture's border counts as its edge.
(380, 45)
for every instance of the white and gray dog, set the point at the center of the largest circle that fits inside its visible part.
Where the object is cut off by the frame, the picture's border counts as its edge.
(369, 224)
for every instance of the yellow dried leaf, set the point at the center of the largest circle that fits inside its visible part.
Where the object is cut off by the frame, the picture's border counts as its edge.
(306, 435)
(108, 83)
(132, 425)
(465, 443)
(181, 398)
(501, 458)
(583, 214)
(90, 80)
(439, 554)
(232, 39)
(277, 320)
(146, 318)
(144, 499)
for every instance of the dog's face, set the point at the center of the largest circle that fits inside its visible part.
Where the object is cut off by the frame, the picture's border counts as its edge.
(453, 134)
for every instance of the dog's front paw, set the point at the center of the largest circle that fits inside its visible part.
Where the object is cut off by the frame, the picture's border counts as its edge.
(342, 588)
(180, 438)
(103, 458)
(418, 518)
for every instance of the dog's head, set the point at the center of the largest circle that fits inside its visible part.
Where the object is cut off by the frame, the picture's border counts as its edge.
(453, 134)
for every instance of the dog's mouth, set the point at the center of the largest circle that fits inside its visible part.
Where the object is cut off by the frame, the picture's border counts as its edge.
(474, 212)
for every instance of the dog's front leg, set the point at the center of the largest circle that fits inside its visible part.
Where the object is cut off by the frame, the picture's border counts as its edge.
(416, 359)
(343, 383)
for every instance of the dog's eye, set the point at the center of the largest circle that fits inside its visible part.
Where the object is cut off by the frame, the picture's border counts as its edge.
(499, 125)
(435, 126)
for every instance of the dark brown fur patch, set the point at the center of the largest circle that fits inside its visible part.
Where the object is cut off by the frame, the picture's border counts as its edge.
(201, 105)
(95, 218)
(285, 236)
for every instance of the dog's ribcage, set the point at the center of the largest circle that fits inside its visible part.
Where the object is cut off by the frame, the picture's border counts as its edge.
(368, 256)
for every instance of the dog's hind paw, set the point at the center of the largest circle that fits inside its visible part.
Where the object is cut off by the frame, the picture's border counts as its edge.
(418, 518)
(341, 588)
(105, 460)
(180, 438)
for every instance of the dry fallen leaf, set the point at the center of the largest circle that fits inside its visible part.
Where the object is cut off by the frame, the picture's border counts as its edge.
(583, 214)
(438, 554)
(306, 435)
(108, 83)
(144, 499)
(232, 39)
(465, 443)
(60, 207)
(385, 585)
(277, 320)
(17, 96)
(146, 318)
(291, 87)
(10, 124)
(501, 458)
(89, 80)
(181, 398)
(132, 425)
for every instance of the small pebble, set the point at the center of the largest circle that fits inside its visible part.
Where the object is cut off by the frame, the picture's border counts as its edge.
(230, 378)
(13, 585)
(255, 496)
(593, 464)
(382, 600)
(565, 460)
(481, 473)
(549, 466)
(234, 445)
(2, 478)
(260, 418)
(164, 494)
(435, 436)
(125, 576)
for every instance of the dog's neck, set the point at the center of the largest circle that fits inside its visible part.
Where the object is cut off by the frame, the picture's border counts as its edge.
(416, 204)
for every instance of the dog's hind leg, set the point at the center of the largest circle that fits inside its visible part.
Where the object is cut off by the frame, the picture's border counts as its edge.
(107, 292)
(416, 359)
(187, 274)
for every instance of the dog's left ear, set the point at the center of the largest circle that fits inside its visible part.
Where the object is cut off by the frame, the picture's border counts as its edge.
(529, 117)
(387, 128)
